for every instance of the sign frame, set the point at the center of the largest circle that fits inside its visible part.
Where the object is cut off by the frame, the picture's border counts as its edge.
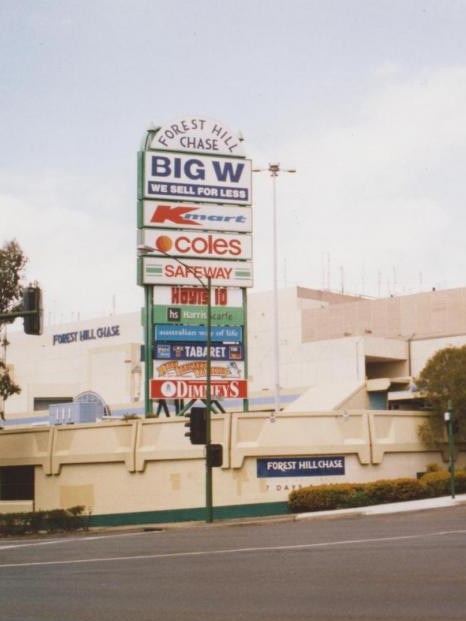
(154, 270)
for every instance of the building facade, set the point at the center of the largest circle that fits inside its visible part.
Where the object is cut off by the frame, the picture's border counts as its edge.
(77, 433)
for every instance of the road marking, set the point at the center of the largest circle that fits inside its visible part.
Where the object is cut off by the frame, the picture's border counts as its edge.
(168, 555)
(30, 544)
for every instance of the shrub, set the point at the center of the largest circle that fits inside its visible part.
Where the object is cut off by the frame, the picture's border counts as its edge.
(395, 490)
(325, 497)
(438, 483)
(347, 495)
(56, 520)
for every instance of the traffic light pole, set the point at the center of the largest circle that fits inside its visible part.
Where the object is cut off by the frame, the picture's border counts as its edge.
(208, 467)
(207, 286)
(148, 348)
(451, 447)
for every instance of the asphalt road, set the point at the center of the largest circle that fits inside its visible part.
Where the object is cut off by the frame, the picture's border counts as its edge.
(408, 566)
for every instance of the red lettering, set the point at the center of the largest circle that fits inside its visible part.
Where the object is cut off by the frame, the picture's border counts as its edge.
(167, 213)
(208, 245)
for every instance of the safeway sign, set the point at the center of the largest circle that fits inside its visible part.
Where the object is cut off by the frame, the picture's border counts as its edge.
(200, 177)
(169, 271)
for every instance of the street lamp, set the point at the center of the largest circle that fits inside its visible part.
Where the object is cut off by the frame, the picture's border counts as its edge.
(274, 169)
(207, 286)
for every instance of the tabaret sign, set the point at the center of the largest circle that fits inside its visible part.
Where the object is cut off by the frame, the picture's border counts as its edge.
(199, 244)
(200, 177)
(171, 215)
(196, 351)
(194, 133)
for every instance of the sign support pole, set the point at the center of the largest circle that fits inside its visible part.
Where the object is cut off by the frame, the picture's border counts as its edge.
(148, 348)
(208, 472)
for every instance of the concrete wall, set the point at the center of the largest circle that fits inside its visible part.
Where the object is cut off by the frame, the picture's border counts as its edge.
(71, 358)
(423, 315)
(147, 466)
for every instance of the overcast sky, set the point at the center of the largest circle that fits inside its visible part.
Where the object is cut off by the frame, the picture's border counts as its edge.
(365, 98)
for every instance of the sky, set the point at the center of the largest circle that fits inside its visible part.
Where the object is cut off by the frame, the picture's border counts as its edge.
(366, 99)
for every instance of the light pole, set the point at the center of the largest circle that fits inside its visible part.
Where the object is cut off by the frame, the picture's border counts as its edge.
(207, 286)
(274, 169)
(448, 418)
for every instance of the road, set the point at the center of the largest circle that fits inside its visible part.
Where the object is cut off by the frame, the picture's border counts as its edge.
(407, 566)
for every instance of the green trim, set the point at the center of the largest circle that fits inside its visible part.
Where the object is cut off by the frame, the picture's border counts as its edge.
(140, 175)
(195, 514)
(140, 214)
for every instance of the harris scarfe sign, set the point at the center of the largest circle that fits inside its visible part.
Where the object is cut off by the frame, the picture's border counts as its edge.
(300, 466)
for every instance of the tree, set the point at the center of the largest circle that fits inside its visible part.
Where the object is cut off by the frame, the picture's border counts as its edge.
(443, 381)
(12, 264)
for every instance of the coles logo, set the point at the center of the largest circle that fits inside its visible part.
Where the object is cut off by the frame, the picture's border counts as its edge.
(200, 245)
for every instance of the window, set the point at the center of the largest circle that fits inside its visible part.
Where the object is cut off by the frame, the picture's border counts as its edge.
(43, 403)
(17, 483)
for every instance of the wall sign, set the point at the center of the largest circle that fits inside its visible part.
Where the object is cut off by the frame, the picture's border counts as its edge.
(89, 334)
(300, 466)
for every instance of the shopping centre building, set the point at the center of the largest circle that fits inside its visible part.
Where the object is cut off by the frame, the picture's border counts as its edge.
(347, 390)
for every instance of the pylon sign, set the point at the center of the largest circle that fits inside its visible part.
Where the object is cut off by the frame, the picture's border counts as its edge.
(194, 232)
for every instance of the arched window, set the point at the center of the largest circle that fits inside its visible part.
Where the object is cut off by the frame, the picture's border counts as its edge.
(91, 397)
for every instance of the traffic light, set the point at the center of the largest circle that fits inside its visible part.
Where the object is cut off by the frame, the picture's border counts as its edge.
(197, 426)
(214, 455)
(32, 308)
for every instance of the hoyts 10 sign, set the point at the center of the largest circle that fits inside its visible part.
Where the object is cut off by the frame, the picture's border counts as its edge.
(197, 244)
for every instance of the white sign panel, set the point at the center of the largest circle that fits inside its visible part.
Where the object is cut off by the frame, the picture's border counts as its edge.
(199, 244)
(199, 135)
(197, 296)
(169, 215)
(197, 369)
(197, 177)
(166, 271)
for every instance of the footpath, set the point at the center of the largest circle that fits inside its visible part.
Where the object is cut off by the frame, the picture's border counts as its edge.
(394, 507)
